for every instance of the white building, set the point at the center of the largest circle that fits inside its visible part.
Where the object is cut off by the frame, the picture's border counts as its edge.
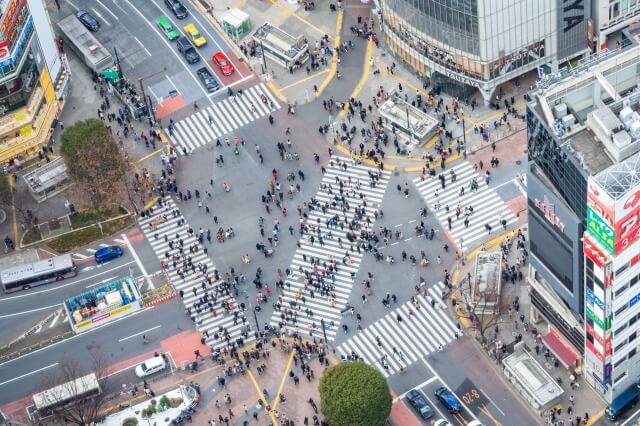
(610, 16)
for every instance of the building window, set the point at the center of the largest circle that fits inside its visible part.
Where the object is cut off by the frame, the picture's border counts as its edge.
(621, 310)
(619, 378)
(621, 290)
(620, 346)
(620, 329)
(632, 353)
(632, 336)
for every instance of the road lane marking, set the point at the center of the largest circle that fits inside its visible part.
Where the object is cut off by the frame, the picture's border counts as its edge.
(15, 314)
(140, 265)
(142, 45)
(174, 86)
(170, 47)
(417, 387)
(57, 287)
(73, 5)
(108, 10)
(106, 280)
(140, 334)
(491, 400)
(31, 373)
(424, 360)
(100, 16)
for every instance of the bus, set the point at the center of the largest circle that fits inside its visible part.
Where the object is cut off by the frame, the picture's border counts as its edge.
(623, 403)
(28, 275)
(82, 388)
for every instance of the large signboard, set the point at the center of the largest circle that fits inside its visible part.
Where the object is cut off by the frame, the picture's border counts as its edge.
(593, 251)
(600, 229)
(9, 18)
(572, 26)
(103, 304)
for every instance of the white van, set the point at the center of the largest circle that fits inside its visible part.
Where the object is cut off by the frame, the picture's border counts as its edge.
(150, 366)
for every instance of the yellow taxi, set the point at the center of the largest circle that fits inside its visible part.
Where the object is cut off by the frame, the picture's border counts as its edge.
(194, 35)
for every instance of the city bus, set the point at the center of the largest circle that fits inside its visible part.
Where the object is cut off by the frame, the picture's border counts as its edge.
(25, 276)
(82, 388)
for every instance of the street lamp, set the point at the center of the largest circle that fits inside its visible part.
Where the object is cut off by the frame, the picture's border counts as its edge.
(147, 100)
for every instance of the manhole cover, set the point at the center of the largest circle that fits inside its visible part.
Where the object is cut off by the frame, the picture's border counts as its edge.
(518, 162)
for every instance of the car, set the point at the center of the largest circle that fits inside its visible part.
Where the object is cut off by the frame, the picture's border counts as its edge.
(150, 366)
(419, 403)
(448, 399)
(177, 8)
(222, 63)
(167, 28)
(188, 51)
(88, 20)
(194, 35)
(106, 254)
(209, 81)
(441, 422)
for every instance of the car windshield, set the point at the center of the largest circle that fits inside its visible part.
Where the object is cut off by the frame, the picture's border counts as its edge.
(195, 34)
(223, 63)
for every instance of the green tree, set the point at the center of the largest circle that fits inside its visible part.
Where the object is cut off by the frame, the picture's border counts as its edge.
(94, 161)
(354, 393)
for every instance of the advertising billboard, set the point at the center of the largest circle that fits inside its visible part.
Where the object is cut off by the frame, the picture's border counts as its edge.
(593, 251)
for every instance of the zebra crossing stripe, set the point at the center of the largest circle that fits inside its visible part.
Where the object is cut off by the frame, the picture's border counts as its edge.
(421, 331)
(239, 112)
(214, 126)
(269, 95)
(197, 138)
(205, 321)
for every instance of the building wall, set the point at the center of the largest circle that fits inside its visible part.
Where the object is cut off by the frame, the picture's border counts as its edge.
(612, 15)
(46, 37)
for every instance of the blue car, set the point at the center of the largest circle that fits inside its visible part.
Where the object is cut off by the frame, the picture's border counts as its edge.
(448, 399)
(106, 254)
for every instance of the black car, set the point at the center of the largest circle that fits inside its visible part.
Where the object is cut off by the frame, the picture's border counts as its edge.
(177, 8)
(188, 51)
(88, 20)
(419, 403)
(208, 80)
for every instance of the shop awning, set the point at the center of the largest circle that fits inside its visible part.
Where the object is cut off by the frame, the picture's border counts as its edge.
(561, 349)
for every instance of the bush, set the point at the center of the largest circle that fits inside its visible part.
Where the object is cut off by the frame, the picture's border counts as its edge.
(353, 394)
(130, 421)
(164, 402)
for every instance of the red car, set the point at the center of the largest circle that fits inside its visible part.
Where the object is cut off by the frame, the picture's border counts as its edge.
(223, 63)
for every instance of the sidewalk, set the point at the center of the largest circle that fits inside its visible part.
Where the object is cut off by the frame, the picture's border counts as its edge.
(510, 327)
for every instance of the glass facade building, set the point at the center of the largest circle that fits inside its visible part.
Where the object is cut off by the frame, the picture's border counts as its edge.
(480, 44)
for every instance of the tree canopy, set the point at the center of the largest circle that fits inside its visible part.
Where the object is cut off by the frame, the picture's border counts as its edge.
(354, 393)
(94, 161)
(5, 190)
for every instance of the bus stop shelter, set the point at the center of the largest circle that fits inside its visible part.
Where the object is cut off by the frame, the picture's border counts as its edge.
(236, 23)
(408, 122)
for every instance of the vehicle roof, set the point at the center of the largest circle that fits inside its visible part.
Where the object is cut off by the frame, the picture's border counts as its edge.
(219, 54)
(625, 397)
(190, 27)
(153, 362)
(164, 20)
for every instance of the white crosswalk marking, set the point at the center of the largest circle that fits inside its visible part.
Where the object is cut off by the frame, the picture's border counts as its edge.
(389, 344)
(221, 118)
(306, 304)
(488, 207)
(161, 229)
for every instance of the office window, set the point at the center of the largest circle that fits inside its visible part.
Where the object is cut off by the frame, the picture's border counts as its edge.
(621, 310)
(621, 290)
(632, 353)
(632, 336)
(619, 378)
(620, 346)
(620, 329)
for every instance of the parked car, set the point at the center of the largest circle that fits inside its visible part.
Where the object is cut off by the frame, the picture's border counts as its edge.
(150, 366)
(88, 20)
(106, 254)
(194, 35)
(222, 63)
(177, 8)
(419, 403)
(188, 51)
(448, 399)
(209, 81)
(167, 28)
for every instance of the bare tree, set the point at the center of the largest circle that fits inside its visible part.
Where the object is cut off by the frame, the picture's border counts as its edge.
(80, 410)
(483, 317)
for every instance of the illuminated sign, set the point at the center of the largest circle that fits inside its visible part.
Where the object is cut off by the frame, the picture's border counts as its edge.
(103, 316)
(593, 333)
(548, 210)
(18, 51)
(594, 351)
(627, 230)
(600, 229)
(593, 299)
(593, 252)
(466, 80)
(9, 16)
(600, 202)
(595, 319)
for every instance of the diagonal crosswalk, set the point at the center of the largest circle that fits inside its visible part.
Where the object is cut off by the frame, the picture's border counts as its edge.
(217, 313)
(389, 344)
(320, 282)
(221, 118)
(484, 206)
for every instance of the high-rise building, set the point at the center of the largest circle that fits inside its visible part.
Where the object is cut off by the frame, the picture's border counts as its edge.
(609, 17)
(33, 79)
(583, 185)
(480, 44)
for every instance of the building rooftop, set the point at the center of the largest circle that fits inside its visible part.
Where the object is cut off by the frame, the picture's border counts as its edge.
(280, 40)
(594, 111)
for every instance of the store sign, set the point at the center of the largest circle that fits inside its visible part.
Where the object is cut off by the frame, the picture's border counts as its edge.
(8, 17)
(103, 316)
(607, 373)
(594, 299)
(594, 351)
(593, 252)
(595, 319)
(517, 59)
(634, 300)
(548, 210)
(466, 80)
(600, 229)
(629, 203)
(600, 202)
(18, 50)
(593, 333)
(627, 229)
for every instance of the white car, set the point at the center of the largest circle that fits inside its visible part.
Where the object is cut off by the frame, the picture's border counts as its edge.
(150, 366)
